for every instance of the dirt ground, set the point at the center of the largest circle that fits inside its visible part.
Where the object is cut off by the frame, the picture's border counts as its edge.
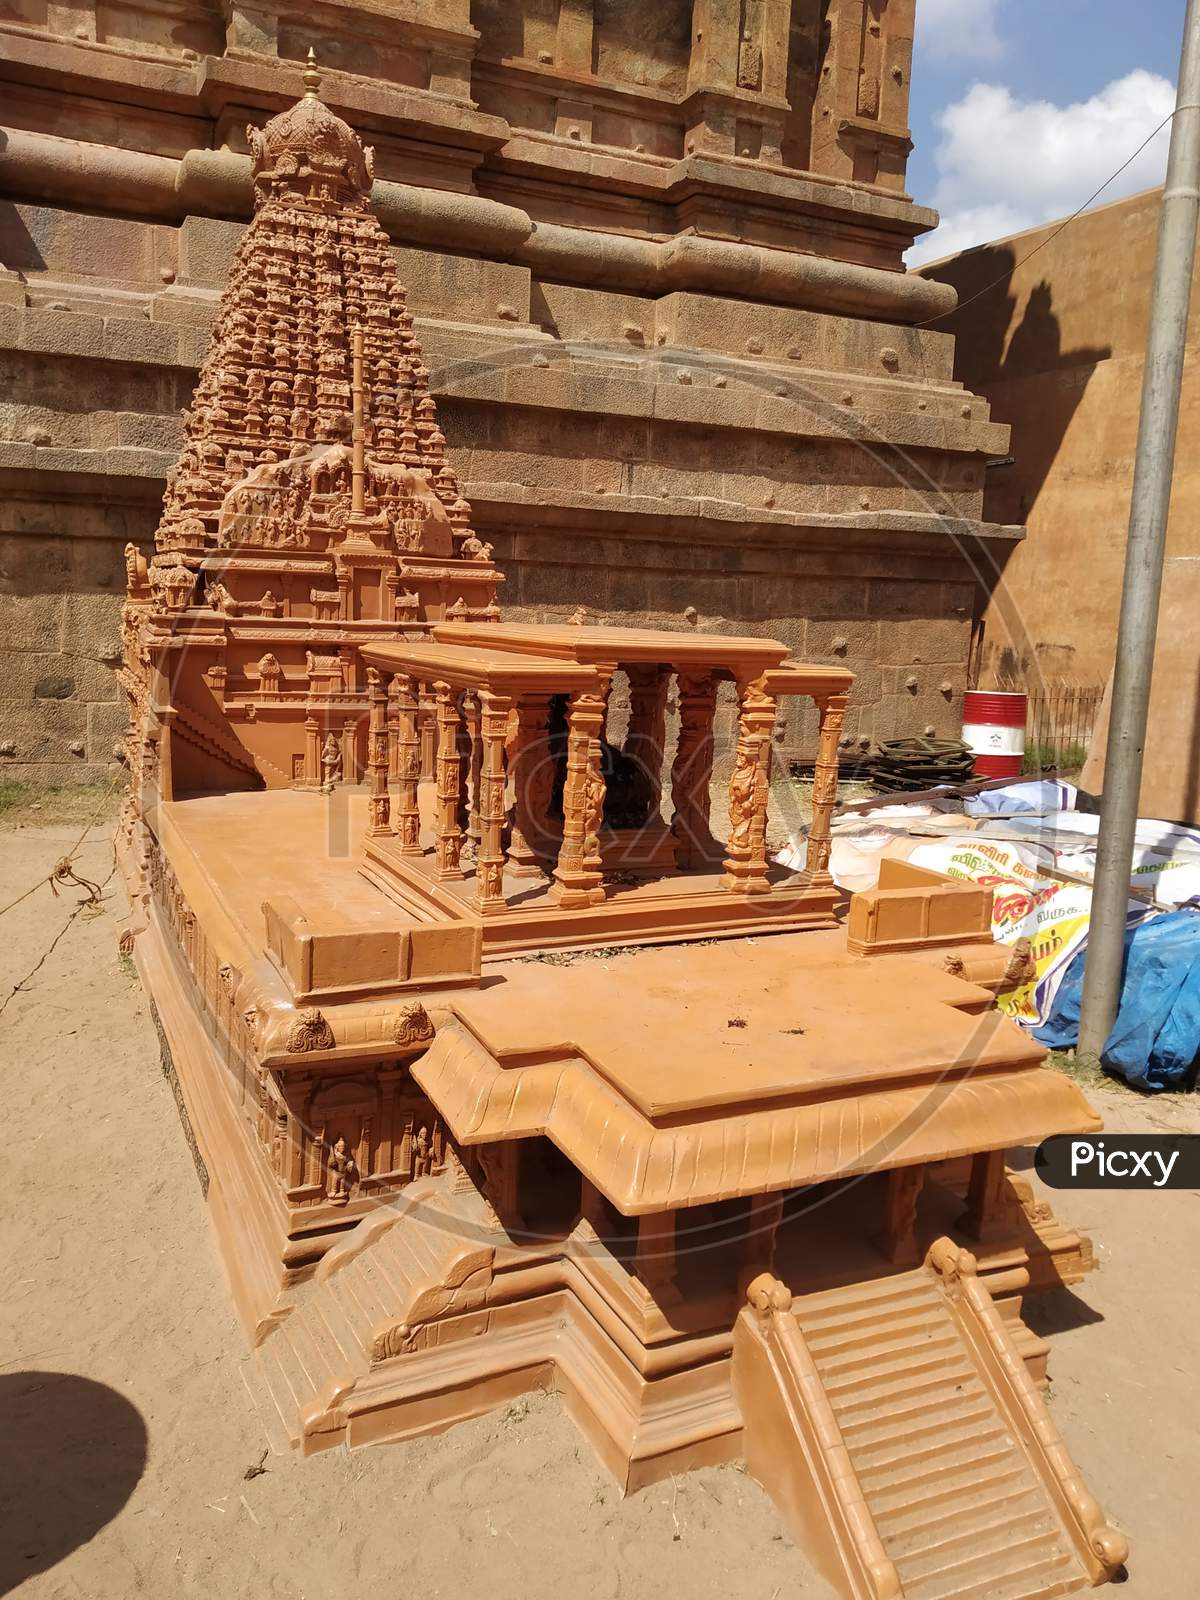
(127, 1429)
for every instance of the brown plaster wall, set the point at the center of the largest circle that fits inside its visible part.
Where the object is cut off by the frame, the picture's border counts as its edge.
(1057, 348)
(654, 253)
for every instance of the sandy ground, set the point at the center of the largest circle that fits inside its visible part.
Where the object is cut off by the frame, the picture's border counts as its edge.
(128, 1431)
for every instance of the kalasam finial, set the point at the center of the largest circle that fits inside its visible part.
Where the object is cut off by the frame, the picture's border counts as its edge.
(312, 78)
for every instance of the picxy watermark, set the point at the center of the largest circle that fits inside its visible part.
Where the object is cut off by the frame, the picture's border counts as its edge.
(1120, 1161)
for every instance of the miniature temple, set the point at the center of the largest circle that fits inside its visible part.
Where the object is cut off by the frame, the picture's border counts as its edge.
(508, 1058)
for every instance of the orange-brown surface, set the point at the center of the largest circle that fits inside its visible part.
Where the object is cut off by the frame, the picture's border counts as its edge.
(1058, 346)
(128, 1452)
(428, 1203)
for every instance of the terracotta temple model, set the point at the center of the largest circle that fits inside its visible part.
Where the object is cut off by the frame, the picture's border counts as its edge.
(507, 1064)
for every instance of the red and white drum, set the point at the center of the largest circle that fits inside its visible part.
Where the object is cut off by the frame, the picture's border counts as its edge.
(994, 729)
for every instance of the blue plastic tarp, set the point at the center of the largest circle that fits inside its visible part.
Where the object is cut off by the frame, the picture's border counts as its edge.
(1156, 1038)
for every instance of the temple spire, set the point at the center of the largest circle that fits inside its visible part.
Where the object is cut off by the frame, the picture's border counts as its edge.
(312, 78)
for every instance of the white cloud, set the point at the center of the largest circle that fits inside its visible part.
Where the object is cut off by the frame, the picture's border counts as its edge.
(958, 30)
(1006, 164)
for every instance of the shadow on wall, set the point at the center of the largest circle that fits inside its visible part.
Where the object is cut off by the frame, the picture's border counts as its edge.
(1030, 381)
(992, 356)
(73, 1452)
(18, 249)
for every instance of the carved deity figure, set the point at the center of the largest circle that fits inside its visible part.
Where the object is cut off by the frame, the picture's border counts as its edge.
(1021, 968)
(743, 786)
(422, 1153)
(341, 1171)
(331, 760)
(593, 804)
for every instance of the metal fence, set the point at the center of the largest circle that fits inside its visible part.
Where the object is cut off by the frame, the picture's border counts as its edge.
(1059, 724)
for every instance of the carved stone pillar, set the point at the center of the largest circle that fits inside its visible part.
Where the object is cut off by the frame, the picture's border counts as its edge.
(471, 751)
(654, 1258)
(593, 1212)
(646, 737)
(749, 791)
(295, 1148)
(393, 731)
(897, 1238)
(824, 794)
(312, 750)
(990, 1204)
(448, 850)
(378, 804)
(408, 765)
(533, 782)
(489, 856)
(860, 111)
(500, 1171)
(578, 877)
(691, 771)
(427, 727)
(348, 745)
(737, 77)
(389, 1081)
(573, 36)
(762, 1226)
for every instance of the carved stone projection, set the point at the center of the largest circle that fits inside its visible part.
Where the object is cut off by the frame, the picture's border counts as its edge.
(413, 1025)
(312, 503)
(310, 1031)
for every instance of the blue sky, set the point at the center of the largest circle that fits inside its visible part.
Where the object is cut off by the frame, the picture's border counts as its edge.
(1020, 108)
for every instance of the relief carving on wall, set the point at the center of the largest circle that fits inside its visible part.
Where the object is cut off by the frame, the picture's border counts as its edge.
(413, 1025)
(310, 1031)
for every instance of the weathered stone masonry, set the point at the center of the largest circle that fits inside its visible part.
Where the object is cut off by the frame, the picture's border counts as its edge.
(654, 255)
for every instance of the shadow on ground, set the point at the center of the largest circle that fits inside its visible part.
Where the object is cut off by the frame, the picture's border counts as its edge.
(73, 1452)
(1056, 1311)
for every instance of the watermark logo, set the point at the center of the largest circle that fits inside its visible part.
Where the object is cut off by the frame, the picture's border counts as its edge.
(1120, 1161)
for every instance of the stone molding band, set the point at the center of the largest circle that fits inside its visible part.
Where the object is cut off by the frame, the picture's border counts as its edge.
(50, 169)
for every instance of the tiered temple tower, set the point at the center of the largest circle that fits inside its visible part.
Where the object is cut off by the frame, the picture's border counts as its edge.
(312, 505)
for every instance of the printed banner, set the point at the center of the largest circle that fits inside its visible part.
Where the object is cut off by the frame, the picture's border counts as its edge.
(1052, 916)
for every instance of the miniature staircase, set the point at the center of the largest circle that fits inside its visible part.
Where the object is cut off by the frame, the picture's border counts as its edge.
(957, 1505)
(211, 740)
(372, 1293)
(908, 1444)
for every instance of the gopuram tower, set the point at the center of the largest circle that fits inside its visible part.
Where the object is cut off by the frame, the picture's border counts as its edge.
(312, 507)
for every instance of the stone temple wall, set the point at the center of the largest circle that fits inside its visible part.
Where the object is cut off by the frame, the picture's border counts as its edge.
(654, 253)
